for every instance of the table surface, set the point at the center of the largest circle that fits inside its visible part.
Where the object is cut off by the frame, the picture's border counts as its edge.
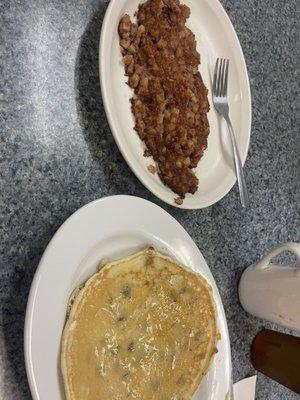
(57, 154)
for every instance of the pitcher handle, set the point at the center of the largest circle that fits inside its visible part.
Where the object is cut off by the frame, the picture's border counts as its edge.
(265, 262)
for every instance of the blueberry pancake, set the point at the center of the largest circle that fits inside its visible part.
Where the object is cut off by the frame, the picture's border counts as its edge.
(142, 328)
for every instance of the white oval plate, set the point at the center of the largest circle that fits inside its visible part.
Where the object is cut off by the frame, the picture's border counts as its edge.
(216, 37)
(111, 227)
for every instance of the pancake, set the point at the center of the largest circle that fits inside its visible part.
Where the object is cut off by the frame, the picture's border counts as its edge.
(142, 328)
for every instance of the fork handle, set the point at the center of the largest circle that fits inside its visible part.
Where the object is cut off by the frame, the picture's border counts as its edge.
(238, 166)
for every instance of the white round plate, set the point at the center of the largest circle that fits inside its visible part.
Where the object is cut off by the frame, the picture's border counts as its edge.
(215, 37)
(111, 227)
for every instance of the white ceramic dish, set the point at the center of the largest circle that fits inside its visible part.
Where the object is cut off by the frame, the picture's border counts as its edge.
(216, 37)
(112, 227)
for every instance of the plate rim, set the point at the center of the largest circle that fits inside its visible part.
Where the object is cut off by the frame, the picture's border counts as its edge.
(108, 111)
(27, 336)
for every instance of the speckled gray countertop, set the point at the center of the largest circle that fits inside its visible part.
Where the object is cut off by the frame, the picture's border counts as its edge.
(57, 154)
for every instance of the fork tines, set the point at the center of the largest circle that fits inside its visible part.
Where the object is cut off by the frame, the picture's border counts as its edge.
(220, 82)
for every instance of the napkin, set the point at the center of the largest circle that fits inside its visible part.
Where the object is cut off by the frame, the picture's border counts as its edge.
(245, 389)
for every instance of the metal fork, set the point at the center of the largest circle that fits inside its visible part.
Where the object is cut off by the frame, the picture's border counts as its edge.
(220, 101)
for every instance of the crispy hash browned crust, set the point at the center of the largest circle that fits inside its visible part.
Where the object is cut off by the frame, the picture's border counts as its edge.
(170, 104)
(142, 328)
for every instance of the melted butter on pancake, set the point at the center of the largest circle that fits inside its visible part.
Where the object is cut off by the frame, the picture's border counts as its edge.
(141, 328)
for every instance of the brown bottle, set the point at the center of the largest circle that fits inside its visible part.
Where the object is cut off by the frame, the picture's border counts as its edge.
(277, 355)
